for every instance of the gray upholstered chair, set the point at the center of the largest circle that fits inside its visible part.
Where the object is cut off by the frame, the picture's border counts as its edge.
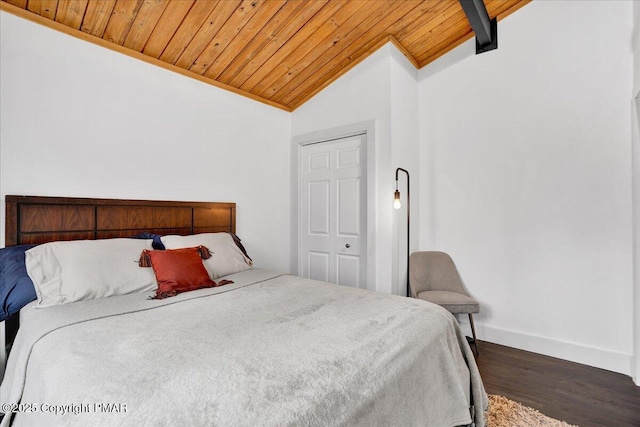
(433, 277)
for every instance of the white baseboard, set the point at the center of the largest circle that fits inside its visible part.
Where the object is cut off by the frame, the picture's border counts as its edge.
(579, 353)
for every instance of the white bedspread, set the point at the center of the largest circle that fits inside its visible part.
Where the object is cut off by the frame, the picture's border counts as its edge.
(268, 350)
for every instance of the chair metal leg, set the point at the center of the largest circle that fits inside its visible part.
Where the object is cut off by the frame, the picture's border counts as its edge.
(473, 331)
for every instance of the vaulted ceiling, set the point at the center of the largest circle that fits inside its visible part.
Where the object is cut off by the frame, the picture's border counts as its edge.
(281, 52)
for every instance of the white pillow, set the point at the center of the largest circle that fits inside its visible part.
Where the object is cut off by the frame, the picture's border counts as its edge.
(226, 256)
(79, 270)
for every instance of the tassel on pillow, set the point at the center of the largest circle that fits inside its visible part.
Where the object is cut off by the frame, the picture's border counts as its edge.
(173, 293)
(204, 252)
(145, 259)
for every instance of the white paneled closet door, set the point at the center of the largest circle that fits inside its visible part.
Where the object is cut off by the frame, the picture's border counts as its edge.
(333, 211)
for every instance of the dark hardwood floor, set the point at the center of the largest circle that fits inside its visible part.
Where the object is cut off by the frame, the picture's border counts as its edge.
(571, 392)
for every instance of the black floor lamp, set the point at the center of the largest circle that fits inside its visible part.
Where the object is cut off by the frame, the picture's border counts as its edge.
(398, 205)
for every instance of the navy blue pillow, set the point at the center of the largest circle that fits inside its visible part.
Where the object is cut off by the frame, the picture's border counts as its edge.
(157, 243)
(16, 288)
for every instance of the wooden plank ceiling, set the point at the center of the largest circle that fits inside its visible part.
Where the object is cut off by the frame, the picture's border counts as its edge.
(281, 52)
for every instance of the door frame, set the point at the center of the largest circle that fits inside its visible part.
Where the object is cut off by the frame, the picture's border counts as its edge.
(367, 176)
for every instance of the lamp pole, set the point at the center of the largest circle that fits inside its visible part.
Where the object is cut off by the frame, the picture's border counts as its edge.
(397, 205)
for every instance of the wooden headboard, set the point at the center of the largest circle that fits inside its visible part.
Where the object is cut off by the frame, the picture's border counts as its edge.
(33, 219)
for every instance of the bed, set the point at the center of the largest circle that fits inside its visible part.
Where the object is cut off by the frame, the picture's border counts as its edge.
(266, 349)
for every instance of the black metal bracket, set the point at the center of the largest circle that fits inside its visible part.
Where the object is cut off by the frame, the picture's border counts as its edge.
(494, 39)
(485, 29)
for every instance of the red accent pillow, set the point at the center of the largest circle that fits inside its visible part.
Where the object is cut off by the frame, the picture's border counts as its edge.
(179, 270)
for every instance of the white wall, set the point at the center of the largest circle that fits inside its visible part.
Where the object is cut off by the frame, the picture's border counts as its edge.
(636, 47)
(79, 120)
(372, 91)
(404, 146)
(635, 364)
(529, 184)
(636, 188)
